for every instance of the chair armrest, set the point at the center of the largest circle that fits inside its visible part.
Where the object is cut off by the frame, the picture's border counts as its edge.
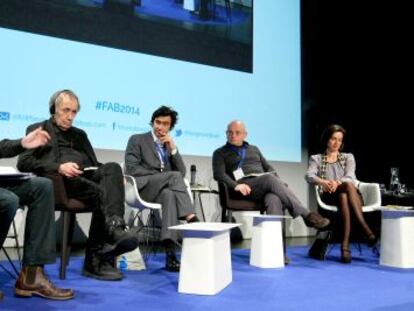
(322, 204)
(224, 196)
(371, 194)
(132, 197)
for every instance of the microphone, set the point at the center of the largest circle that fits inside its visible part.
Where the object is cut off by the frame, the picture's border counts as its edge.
(193, 175)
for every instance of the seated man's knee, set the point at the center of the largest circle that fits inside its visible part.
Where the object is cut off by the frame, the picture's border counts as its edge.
(111, 167)
(268, 178)
(41, 184)
(112, 170)
(167, 192)
(273, 204)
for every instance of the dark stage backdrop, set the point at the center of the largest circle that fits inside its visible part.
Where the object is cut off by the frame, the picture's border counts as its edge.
(355, 72)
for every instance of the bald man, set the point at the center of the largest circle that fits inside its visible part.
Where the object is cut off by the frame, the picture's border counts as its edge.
(233, 162)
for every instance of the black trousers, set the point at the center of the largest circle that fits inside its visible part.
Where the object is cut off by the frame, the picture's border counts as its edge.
(104, 189)
(40, 234)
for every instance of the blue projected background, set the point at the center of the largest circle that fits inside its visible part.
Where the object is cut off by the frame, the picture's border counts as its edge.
(119, 90)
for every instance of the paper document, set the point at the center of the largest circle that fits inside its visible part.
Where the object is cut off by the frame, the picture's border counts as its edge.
(90, 168)
(258, 174)
(15, 176)
(199, 187)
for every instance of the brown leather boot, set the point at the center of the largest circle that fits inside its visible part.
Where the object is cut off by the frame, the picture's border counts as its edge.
(1, 295)
(33, 281)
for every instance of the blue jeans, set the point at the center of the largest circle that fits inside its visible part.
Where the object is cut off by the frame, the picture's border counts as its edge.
(40, 234)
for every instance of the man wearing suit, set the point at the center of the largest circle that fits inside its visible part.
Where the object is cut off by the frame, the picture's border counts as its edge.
(153, 159)
(68, 153)
(39, 240)
(237, 159)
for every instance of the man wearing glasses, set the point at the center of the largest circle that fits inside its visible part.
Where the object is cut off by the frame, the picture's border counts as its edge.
(244, 170)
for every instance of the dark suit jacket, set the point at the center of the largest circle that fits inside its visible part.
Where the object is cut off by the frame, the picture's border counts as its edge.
(142, 162)
(45, 159)
(10, 148)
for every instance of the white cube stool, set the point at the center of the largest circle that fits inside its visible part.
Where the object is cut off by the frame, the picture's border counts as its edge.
(397, 238)
(266, 250)
(205, 258)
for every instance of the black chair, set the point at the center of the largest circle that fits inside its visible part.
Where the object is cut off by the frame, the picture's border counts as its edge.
(231, 200)
(69, 208)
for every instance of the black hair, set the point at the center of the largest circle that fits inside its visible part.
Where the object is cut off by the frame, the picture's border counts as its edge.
(165, 111)
(329, 131)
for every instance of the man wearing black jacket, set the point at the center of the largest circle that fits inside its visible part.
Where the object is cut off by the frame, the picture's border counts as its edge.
(70, 154)
(39, 242)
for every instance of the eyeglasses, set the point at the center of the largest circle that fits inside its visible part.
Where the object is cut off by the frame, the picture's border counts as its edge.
(236, 133)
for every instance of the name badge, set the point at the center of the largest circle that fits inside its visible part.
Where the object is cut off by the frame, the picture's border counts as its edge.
(238, 174)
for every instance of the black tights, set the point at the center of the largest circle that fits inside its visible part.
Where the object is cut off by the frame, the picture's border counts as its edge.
(349, 199)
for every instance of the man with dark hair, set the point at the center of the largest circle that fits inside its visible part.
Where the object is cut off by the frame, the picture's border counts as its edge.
(39, 240)
(153, 159)
(70, 154)
(236, 162)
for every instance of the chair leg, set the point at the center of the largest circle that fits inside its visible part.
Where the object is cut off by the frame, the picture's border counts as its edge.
(223, 214)
(11, 263)
(229, 216)
(70, 236)
(16, 239)
(284, 235)
(65, 239)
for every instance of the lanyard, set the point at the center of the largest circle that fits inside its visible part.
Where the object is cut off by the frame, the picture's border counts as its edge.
(162, 154)
(241, 152)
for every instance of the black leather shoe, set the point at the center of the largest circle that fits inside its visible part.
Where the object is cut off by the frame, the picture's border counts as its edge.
(100, 267)
(171, 263)
(316, 221)
(119, 238)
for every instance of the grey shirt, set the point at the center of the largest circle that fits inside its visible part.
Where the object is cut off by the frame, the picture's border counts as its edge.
(334, 171)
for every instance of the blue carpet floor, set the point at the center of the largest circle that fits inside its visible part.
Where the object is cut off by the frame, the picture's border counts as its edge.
(305, 284)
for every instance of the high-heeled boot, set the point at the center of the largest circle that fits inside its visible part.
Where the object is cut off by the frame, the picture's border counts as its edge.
(346, 255)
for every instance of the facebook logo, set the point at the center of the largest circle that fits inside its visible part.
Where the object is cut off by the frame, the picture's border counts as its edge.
(4, 116)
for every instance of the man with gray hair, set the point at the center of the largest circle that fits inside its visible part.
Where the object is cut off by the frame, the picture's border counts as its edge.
(70, 154)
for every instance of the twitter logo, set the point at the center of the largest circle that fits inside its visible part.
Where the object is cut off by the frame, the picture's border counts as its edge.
(178, 133)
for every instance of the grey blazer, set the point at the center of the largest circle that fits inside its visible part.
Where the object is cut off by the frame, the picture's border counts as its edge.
(142, 162)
